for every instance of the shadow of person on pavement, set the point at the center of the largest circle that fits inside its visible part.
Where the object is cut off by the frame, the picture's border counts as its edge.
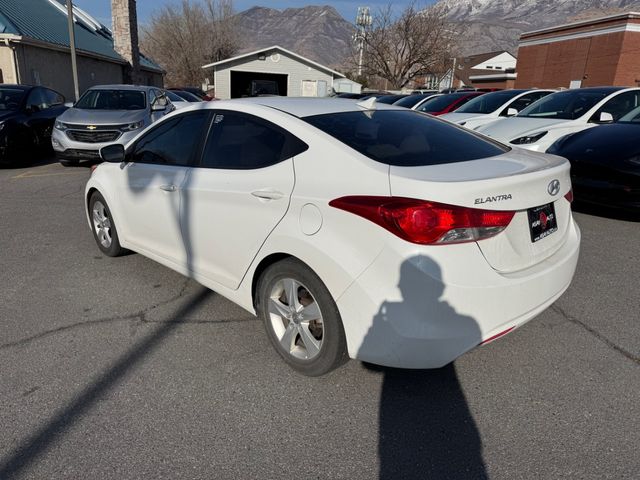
(426, 430)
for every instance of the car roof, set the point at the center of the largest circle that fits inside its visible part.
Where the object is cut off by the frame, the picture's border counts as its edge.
(306, 107)
(606, 90)
(139, 88)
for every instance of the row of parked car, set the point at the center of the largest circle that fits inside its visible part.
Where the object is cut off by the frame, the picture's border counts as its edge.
(605, 165)
(33, 119)
(605, 160)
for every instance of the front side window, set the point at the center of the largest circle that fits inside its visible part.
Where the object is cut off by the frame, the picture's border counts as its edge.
(239, 141)
(112, 100)
(524, 101)
(173, 142)
(53, 98)
(567, 105)
(619, 105)
(405, 138)
(37, 100)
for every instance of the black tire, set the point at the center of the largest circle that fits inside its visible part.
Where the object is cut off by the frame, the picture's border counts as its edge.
(113, 249)
(333, 346)
(69, 163)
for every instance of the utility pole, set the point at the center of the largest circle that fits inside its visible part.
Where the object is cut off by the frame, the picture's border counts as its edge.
(363, 22)
(72, 46)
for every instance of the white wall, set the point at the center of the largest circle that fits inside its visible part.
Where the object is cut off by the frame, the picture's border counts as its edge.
(499, 62)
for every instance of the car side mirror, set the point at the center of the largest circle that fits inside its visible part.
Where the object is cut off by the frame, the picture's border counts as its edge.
(512, 112)
(158, 108)
(113, 153)
(605, 117)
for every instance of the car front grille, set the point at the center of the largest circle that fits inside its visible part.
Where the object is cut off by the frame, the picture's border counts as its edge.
(93, 136)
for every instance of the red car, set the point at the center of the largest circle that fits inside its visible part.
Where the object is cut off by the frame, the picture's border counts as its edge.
(446, 103)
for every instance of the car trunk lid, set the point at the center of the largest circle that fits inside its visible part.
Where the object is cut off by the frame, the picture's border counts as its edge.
(517, 181)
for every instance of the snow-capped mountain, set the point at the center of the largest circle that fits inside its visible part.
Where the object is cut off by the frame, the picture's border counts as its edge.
(496, 24)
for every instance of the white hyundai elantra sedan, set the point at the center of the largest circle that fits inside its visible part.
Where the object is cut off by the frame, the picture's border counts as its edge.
(351, 229)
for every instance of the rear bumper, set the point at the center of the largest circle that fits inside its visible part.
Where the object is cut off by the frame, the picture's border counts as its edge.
(422, 307)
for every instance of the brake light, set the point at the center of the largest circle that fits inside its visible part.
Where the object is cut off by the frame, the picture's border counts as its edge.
(93, 167)
(569, 196)
(424, 222)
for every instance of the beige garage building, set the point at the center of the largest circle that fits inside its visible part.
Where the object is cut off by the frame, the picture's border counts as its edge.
(272, 70)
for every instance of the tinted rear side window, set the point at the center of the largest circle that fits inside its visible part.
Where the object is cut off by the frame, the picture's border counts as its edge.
(239, 141)
(405, 138)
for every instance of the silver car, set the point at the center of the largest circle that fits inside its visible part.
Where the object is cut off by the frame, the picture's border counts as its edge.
(106, 114)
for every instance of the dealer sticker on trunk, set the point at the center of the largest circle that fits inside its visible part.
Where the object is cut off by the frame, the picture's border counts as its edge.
(542, 221)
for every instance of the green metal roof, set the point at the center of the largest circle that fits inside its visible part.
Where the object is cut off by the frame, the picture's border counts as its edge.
(43, 21)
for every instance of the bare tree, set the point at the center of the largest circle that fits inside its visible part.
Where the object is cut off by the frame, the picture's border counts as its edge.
(183, 37)
(416, 43)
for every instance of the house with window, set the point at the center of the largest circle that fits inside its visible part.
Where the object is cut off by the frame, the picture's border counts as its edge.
(485, 70)
(34, 47)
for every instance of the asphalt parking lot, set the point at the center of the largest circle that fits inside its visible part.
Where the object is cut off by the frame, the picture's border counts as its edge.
(121, 368)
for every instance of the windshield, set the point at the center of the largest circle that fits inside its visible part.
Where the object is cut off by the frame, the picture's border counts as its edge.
(632, 117)
(438, 104)
(489, 102)
(405, 138)
(10, 98)
(567, 105)
(112, 100)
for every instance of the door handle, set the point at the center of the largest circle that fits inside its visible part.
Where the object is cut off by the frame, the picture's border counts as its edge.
(168, 188)
(268, 194)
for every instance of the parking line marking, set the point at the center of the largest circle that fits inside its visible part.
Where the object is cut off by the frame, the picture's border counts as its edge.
(26, 174)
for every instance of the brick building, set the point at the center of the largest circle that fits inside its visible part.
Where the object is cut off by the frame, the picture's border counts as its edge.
(597, 52)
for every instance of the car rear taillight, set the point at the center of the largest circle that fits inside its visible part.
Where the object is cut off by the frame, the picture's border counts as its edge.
(93, 168)
(569, 196)
(424, 222)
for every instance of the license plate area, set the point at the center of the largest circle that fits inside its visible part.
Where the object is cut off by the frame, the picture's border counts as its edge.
(542, 221)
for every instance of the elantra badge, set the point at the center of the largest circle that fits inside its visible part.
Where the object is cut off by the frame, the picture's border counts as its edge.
(554, 187)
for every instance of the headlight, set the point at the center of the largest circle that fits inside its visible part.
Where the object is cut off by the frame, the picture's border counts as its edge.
(528, 139)
(132, 126)
(60, 126)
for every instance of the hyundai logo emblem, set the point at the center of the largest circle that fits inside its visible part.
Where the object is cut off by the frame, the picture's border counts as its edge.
(554, 187)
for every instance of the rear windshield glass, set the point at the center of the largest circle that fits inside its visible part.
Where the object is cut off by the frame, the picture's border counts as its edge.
(10, 98)
(411, 100)
(489, 102)
(567, 105)
(405, 138)
(112, 100)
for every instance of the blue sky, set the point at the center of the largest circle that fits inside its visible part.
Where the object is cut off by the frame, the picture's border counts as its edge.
(101, 9)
